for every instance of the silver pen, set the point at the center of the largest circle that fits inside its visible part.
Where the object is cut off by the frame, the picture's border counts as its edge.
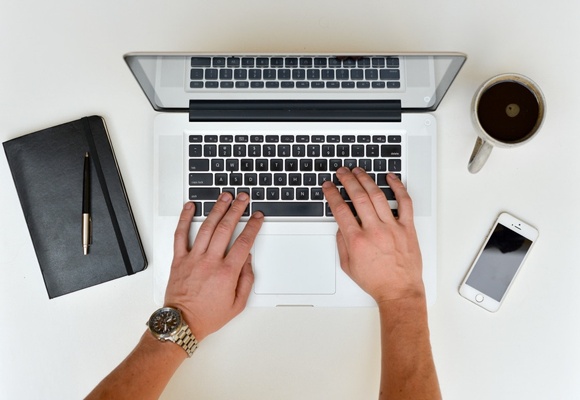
(86, 227)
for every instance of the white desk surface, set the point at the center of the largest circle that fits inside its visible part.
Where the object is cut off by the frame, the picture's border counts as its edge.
(62, 59)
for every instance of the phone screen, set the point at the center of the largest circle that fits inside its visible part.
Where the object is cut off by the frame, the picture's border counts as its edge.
(499, 262)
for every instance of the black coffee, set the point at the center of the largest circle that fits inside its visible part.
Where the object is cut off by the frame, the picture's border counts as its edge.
(508, 111)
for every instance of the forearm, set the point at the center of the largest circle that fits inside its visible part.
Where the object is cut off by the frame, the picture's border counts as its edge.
(144, 373)
(408, 370)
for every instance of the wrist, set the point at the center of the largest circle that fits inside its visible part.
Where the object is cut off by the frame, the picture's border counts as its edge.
(167, 325)
(167, 350)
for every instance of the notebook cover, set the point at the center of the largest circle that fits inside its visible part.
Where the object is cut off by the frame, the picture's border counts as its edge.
(47, 168)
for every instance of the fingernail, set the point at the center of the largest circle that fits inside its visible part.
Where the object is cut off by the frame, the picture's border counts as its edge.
(393, 176)
(188, 205)
(327, 184)
(225, 196)
(357, 171)
(258, 215)
(342, 170)
(243, 196)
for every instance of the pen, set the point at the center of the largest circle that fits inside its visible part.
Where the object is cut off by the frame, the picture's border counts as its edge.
(86, 204)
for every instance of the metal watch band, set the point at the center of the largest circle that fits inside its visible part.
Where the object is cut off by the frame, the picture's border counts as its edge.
(186, 340)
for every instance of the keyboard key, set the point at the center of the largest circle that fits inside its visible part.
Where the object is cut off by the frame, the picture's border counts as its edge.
(373, 150)
(309, 180)
(342, 74)
(327, 74)
(287, 194)
(219, 62)
(291, 62)
(200, 61)
(258, 193)
(199, 165)
(226, 74)
(390, 150)
(289, 209)
(393, 85)
(302, 85)
(200, 179)
(257, 85)
(236, 179)
(262, 62)
(390, 74)
(255, 74)
(203, 193)
(378, 85)
(233, 62)
(371, 74)
(211, 73)
(217, 164)
(221, 179)
(272, 194)
(392, 62)
(195, 150)
(247, 62)
(280, 179)
(316, 194)
(251, 179)
(378, 62)
(240, 74)
(276, 62)
(207, 208)
(388, 193)
(395, 165)
(196, 85)
(232, 165)
(196, 74)
(302, 194)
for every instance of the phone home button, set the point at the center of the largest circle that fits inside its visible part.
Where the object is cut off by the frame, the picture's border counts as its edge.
(479, 298)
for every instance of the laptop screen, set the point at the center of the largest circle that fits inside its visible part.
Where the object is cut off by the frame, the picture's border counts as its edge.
(415, 82)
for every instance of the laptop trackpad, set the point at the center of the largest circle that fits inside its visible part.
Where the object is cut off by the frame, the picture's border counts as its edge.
(295, 264)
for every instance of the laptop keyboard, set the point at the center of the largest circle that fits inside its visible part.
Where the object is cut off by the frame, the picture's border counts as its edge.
(292, 72)
(283, 173)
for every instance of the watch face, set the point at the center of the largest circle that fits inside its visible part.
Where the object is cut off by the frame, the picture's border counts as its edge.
(165, 321)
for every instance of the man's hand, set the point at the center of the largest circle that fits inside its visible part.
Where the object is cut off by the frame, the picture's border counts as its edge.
(208, 283)
(378, 251)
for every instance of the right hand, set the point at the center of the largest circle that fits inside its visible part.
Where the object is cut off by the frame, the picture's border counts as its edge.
(378, 251)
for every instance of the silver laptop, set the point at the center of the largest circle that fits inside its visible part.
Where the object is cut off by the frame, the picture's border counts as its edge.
(277, 126)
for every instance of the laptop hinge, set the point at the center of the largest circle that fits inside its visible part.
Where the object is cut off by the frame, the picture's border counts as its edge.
(295, 110)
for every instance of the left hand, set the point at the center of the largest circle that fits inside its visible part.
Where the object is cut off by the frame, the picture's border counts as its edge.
(209, 284)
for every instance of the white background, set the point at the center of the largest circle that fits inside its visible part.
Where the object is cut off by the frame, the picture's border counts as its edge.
(62, 60)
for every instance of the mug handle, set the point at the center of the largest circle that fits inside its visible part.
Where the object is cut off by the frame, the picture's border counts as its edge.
(479, 156)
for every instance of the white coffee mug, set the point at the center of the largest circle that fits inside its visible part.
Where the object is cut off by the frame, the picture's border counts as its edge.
(507, 111)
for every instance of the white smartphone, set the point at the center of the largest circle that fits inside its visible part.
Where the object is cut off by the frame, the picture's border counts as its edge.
(500, 258)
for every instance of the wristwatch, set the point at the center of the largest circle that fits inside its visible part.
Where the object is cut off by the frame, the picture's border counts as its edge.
(167, 325)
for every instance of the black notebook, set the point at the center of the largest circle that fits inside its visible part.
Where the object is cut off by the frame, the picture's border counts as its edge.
(47, 168)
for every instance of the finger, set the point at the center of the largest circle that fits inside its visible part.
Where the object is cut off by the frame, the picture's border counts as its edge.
(208, 226)
(340, 210)
(377, 196)
(403, 198)
(225, 228)
(343, 253)
(245, 283)
(359, 196)
(245, 240)
(181, 236)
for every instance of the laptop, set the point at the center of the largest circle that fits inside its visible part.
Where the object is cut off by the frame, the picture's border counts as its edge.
(277, 126)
